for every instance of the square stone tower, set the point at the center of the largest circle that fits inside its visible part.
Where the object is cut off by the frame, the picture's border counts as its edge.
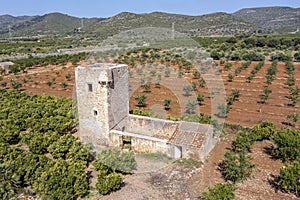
(102, 101)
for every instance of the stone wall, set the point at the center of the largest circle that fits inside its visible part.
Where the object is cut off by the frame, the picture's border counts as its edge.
(142, 143)
(150, 126)
(102, 98)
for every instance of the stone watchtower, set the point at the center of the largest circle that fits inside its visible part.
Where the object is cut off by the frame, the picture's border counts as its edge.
(103, 101)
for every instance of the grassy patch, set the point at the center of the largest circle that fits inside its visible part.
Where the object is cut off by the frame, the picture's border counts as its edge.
(157, 157)
(189, 163)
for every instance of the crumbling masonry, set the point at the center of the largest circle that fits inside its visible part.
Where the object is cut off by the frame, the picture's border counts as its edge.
(104, 119)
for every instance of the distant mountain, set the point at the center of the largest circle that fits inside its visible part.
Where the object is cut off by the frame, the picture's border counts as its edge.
(205, 25)
(249, 20)
(8, 20)
(49, 24)
(276, 18)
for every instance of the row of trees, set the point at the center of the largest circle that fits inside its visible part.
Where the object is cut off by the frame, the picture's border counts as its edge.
(255, 71)
(41, 124)
(237, 165)
(253, 47)
(223, 109)
(40, 156)
(24, 63)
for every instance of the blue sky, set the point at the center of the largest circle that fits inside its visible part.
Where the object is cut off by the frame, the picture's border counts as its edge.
(107, 8)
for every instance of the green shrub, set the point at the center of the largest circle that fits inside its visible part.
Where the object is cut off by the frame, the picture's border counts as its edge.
(223, 110)
(118, 161)
(227, 66)
(287, 144)
(220, 191)
(167, 103)
(243, 141)
(190, 107)
(230, 78)
(111, 182)
(187, 90)
(200, 98)
(60, 148)
(9, 133)
(30, 166)
(3, 84)
(141, 113)
(289, 178)
(9, 182)
(141, 100)
(39, 142)
(63, 181)
(236, 166)
(263, 131)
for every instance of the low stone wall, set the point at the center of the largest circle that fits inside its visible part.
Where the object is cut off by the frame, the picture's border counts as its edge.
(150, 126)
(141, 144)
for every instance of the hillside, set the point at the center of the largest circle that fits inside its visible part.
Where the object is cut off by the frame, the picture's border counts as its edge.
(277, 18)
(8, 20)
(49, 24)
(57, 23)
(248, 20)
(205, 25)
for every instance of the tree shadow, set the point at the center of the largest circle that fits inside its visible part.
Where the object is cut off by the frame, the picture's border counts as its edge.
(274, 183)
(287, 124)
(270, 151)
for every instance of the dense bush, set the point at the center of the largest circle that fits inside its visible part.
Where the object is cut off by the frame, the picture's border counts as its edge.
(220, 191)
(30, 166)
(9, 182)
(39, 113)
(62, 181)
(244, 141)
(60, 148)
(67, 147)
(9, 132)
(109, 183)
(39, 142)
(263, 131)
(287, 144)
(40, 122)
(108, 162)
(297, 56)
(253, 56)
(118, 161)
(236, 166)
(289, 178)
(281, 57)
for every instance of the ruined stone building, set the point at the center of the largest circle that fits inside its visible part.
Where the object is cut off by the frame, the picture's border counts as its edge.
(104, 119)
